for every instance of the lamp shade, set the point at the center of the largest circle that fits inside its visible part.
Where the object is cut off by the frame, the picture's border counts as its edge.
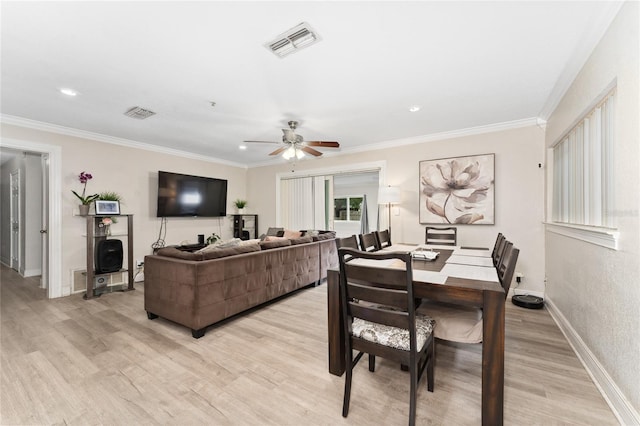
(388, 195)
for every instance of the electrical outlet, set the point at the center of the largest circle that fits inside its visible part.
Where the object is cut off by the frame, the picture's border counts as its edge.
(139, 263)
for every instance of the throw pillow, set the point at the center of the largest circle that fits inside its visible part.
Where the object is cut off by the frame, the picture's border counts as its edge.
(292, 234)
(274, 231)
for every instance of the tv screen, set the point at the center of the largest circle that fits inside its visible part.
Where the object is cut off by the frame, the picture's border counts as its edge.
(185, 195)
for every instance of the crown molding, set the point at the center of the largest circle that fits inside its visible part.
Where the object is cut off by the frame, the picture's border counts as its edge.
(471, 131)
(581, 53)
(68, 131)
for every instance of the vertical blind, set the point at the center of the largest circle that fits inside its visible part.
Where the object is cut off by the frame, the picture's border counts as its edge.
(583, 169)
(302, 203)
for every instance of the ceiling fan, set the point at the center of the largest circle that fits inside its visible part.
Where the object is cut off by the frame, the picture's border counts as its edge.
(295, 146)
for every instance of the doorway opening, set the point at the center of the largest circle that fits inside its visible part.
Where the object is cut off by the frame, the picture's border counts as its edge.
(47, 224)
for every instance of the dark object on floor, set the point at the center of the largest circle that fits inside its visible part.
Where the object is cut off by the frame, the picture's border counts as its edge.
(528, 301)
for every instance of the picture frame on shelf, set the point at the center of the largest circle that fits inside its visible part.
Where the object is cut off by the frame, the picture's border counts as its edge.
(108, 208)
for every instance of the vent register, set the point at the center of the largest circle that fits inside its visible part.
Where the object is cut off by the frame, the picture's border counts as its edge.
(139, 113)
(291, 41)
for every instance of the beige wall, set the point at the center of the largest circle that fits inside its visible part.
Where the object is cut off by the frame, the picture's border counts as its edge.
(133, 173)
(519, 190)
(597, 289)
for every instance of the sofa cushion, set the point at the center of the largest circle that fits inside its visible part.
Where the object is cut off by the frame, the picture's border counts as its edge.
(230, 251)
(301, 240)
(274, 243)
(179, 254)
(325, 236)
(254, 241)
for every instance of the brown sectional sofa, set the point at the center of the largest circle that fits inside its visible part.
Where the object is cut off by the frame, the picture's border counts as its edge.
(200, 289)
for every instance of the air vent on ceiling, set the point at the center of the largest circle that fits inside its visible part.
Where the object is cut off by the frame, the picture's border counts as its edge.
(139, 113)
(293, 40)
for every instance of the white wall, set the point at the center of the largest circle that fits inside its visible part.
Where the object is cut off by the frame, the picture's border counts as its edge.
(519, 190)
(595, 289)
(133, 173)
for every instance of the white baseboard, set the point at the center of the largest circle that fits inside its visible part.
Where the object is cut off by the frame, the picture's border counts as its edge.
(619, 404)
(31, 273)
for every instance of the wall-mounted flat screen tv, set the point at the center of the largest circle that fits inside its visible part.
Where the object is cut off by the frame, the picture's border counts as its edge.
(186, 195)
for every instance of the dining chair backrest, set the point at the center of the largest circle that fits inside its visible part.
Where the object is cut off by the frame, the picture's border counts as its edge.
(441, 236)
(351, 242)
(368, 242)
(499, 239)
(383, 239)
(500, 252)
(507, 267)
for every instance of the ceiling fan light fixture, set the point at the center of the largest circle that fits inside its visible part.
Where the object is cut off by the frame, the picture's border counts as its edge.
(289, 153)
(296, 38)
(299, 154)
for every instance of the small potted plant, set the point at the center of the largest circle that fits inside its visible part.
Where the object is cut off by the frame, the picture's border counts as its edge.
(240, 205)
(85, 200)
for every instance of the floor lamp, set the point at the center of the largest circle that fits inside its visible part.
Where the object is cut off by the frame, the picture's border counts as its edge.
(389, 195)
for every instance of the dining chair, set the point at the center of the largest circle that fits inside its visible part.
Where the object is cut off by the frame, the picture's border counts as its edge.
(381, 319)
(441, 236)
(464, 324)
(499, 252)
(368, 242)
(383, 239)
(499, 239)
(507, 267)
(351, 242)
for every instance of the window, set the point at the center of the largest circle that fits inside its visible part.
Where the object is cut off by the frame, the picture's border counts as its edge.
(583, 169)
(347, 208)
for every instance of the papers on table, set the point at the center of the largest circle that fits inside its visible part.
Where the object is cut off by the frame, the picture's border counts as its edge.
(470, 272)
(424, 254)
(486, 262)
(472, 252)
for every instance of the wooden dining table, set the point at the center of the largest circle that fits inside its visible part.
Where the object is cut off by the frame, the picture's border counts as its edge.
(488, 295)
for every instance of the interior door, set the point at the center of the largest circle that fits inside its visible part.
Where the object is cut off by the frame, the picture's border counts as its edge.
(44, 230)
(15, 219)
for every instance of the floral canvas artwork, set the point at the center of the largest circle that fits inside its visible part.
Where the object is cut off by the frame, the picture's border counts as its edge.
(457, 190)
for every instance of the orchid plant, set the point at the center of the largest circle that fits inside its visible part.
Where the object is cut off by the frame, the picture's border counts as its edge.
(85, 199)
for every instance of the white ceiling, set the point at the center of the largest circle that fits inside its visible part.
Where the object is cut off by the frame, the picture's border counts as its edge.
(468, 64)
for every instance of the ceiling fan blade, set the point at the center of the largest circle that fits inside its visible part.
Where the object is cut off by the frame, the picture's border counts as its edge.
(324, 144)
(311, 151)
(279, 150)
(262, 142)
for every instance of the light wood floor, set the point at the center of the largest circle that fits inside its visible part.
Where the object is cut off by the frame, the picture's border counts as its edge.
(70, 361)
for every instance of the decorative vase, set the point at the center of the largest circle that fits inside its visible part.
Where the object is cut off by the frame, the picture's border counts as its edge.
(107, 230)
(241, 211)
(84, 209)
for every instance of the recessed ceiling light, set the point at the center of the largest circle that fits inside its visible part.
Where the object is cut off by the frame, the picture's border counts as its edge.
(414, 108)
(243, 147)
(68, 92)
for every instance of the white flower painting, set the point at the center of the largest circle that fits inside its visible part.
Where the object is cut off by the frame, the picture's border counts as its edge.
(457, 190)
